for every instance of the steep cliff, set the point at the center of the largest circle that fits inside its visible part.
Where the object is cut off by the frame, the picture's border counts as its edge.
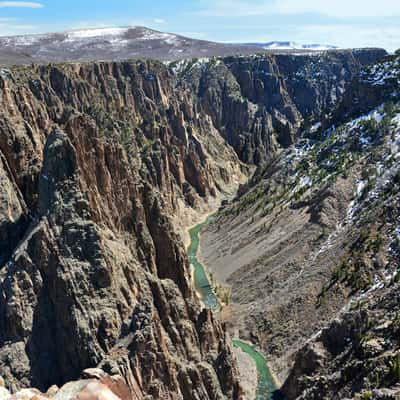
(102, 165)
(357, 356)
(313, 237)
(259, 103)
(96, 161)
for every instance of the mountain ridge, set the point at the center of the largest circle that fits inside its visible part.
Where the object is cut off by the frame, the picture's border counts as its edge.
(128, 42)
(291, 45)
(109, 43)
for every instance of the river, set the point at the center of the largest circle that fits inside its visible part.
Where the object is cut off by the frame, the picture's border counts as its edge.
(265, 387)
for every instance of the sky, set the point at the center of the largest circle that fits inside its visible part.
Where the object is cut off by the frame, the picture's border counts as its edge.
(345, 23)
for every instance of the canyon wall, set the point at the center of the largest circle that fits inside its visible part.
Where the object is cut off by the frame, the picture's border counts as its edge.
(102, 166)
(309, 249)
(260, 103)
(96, 161)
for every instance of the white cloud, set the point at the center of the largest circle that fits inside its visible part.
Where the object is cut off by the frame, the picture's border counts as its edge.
(159, 21)
(20, 4)
(337, 8)
(342, 8)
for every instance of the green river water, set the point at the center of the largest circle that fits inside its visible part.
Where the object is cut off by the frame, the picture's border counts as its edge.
(266, 387)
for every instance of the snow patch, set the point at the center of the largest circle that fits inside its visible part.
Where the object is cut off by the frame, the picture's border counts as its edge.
(375, 114)
(291, 45)
(169, 38)
(360, 188)
(305, 181)
(315, 127)
(89, 33)
(380, 74)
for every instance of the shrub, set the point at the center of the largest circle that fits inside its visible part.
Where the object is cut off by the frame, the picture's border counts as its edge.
(370, 126)
(396, 279)
(366, 395)
(147, 145)
(395, 367)
(396, 178)
(340, 272)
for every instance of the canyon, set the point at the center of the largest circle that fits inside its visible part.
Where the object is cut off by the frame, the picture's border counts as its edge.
(106, 165)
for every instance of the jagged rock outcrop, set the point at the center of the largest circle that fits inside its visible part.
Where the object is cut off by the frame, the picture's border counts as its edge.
(74, 284)
(259, 103)
(97, 160)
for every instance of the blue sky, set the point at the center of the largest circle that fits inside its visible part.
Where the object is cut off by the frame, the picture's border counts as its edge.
(346, 23)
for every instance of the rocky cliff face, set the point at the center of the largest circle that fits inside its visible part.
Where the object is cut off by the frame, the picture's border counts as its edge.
(96, 160)
(357, 355)
(309, 249)
(260, 103)
(101, 166)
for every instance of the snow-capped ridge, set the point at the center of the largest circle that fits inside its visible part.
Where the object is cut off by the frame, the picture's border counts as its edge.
(110, 43)
(291, 45)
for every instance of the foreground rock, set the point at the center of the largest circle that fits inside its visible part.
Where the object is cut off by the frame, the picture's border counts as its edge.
(95, 385)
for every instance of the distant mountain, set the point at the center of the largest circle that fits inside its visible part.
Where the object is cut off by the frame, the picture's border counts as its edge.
(288, 45)
(122, 43)
(110, 44)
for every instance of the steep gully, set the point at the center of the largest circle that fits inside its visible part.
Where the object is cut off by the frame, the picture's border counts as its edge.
(266, 386)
